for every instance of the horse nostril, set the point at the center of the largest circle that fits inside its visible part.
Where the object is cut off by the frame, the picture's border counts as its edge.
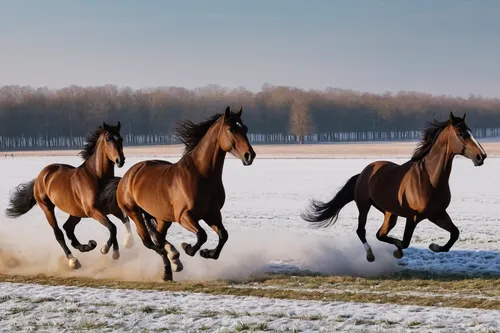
(247, 156)
(479, 157)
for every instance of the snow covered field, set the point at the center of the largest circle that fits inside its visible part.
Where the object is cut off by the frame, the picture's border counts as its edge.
(265, 235)
(58, 309)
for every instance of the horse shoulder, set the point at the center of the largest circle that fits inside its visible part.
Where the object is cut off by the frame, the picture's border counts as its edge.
(416, 188)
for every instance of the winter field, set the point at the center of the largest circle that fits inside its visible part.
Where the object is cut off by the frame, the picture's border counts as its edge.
(275, 273)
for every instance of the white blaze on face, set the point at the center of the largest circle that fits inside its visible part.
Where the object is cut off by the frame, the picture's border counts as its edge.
(476, 143)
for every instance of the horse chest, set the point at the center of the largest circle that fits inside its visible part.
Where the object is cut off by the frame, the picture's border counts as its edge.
(211, 196)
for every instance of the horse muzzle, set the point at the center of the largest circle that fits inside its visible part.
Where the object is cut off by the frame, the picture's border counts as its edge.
(248, 158)
(478, 160)
(120, 162)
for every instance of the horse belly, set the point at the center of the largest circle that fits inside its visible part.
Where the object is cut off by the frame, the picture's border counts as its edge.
(385, 197)
(61, 194)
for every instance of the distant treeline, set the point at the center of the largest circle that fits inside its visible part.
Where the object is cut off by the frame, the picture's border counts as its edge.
(43, 118)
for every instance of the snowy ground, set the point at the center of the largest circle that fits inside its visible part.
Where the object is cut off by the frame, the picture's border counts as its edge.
(266, 234)
(57, 309)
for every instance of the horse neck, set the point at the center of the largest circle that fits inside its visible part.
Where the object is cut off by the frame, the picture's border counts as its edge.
(100, 165)
(439, 160)
(208, 154)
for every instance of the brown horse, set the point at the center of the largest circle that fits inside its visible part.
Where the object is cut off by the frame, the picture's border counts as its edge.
(416, 190)
(186, 191)
(76, 191)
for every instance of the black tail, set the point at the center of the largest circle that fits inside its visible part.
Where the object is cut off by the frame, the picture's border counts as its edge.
(107, 196)
(21, 200)
(325, 214)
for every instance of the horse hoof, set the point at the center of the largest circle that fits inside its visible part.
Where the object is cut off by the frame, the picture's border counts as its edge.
(184, 245)
(369, 255)
(129, 242)
(205, 253)
(398, 254)
(177, 266)
(105, 249)
(92, 244)
(74, 263)
(115, 255)
(435, 248)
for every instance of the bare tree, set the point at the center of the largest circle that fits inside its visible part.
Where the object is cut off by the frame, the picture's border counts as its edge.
(301, 121)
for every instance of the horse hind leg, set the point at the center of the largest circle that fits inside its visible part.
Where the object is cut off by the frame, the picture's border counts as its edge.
(48, 210)
(361, 232)
(138, 218)
(69, 226)
(390, 221)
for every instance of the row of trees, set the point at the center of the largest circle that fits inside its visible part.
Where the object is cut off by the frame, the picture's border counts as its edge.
(41, 118)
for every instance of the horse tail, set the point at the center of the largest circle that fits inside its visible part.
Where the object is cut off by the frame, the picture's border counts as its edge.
(108, 193)
(325, 214)
(21, 200)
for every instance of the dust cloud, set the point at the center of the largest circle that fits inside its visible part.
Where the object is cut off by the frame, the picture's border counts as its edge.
(248, 253)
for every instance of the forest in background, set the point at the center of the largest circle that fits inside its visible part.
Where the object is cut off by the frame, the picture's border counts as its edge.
(41, 118)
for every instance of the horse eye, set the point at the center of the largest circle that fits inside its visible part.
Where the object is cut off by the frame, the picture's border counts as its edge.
(108, 139)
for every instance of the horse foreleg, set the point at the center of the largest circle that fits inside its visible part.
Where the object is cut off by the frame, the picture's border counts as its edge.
(190, 223)
(112, 241)
(69, 226)
(215, 222)
(129, 239)
(444, 221)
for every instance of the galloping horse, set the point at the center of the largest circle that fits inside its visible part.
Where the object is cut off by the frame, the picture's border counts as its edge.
(188, 190)
(416, 190)
(76, 191)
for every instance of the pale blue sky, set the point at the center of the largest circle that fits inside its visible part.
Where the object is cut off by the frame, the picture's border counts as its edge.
(437, 46)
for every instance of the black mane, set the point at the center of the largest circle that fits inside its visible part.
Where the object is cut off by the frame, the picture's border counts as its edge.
(429, 135)
(91, 143)
(191, 134)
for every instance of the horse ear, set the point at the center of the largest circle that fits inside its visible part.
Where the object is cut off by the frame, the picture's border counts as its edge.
(452, 117)
(227, 112)
(119, 126)
(240, 112)
(465, 113)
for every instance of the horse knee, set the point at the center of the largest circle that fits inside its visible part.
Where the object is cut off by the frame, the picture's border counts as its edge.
(66, 227)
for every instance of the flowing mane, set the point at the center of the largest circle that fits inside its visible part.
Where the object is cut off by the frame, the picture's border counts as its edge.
(429, 135)
(91, 143)
(191, 134)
